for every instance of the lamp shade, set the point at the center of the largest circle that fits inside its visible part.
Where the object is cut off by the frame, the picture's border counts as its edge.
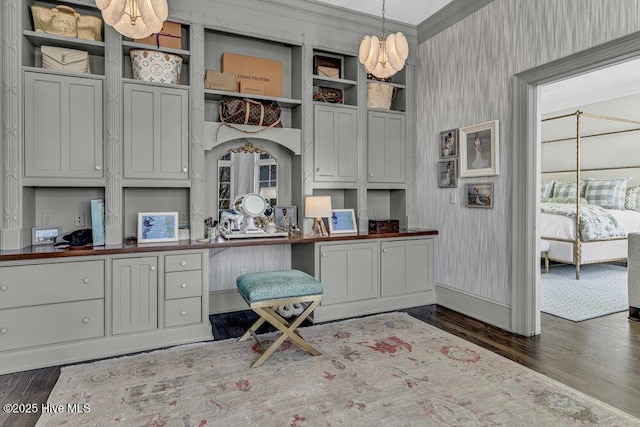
(134, 18)
(269, 193)
(384, 58)
(317, 207)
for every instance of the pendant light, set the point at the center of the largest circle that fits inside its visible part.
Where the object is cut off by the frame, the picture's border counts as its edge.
(136, 19)
(386, 56)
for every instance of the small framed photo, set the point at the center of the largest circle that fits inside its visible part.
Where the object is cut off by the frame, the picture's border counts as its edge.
(343, 221)
(155, 227)
(286, 217)
(44, 235)
(479, 153)
(479, 195)
(448, 173)
(449, 143)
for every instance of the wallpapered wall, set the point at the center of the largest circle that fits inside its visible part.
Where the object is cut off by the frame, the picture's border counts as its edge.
(465, 77)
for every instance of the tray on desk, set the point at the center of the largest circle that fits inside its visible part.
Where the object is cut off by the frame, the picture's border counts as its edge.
(229, 236)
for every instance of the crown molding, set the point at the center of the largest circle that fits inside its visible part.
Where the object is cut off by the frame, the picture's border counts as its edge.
(452, 13)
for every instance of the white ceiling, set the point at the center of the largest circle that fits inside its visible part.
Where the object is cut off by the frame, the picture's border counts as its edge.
(408, 11)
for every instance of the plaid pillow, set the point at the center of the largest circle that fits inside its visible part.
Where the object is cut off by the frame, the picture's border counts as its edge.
(608, 193)
(564, 190)
(632, 200)
(546, 189)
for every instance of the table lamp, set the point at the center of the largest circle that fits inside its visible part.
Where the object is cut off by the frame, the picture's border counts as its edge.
(318, 207)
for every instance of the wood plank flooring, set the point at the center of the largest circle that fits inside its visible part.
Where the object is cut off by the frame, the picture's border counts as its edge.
(600, 357)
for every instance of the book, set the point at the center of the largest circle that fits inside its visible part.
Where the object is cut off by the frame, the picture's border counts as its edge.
(97, 221)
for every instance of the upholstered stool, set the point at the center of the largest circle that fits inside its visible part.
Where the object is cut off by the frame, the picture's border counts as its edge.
(266, 291)
(545, 245)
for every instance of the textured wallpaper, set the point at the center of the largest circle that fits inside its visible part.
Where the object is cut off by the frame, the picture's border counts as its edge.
(465, 77)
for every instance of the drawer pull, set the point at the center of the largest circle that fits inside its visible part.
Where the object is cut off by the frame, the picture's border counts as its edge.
(4, 288)
(183, 263)
(184, 285)
(183, 312)
(184, 169)
(98, 167)
(4, 331)
(86, 280)
(153, 268)
(324, 255)
(85, 320)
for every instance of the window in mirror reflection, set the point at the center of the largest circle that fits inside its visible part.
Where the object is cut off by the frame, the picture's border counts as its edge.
(224, 178)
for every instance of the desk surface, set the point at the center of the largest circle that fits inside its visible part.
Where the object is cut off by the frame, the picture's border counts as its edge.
(48, 251)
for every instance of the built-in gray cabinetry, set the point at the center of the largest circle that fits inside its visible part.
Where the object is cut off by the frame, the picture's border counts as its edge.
(335, 143)
(156, 144)
(183, 289)
(135, 294)
(63, 126)
(406, 266)
(386, 146)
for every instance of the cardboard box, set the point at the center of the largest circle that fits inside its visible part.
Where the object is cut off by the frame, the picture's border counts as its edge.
(251, 87)
(169, 36)
(253, 69)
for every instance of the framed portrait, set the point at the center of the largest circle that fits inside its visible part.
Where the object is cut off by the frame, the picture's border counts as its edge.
(155, 227)
(343, 221)
(479, 151)
(448, 143)
(286, 217)
(479, 195)
(448, 173)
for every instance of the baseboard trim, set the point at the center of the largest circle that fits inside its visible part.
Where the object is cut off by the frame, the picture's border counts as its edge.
(491, 312)
(226, 301)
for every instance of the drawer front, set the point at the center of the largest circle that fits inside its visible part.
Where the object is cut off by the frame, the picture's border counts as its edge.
(183, 262)
(183, 311)
(24, 285)
(183, 284)
(51, 324)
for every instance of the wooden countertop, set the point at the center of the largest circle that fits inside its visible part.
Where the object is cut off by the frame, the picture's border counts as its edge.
(48, 251)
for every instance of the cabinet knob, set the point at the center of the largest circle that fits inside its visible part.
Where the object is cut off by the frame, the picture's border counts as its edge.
(184, 285)
(85, 320)
(184, 169)
(324, 255)
(384, 250)
(4, 288)
(4, 330)
(98, 167)
(153, 268)
(183, 312)
(371, 174)
(85, 280)
(183, 263)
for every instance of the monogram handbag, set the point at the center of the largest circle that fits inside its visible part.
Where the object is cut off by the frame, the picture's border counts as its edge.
(379, 95)
(214, 79)
(249, 112)
(155, 66)
(327, 94)
(63, 59)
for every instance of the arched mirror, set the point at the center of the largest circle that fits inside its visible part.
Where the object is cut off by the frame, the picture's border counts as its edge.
(244, 170)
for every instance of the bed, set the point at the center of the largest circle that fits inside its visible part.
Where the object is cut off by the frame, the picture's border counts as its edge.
(607, 207)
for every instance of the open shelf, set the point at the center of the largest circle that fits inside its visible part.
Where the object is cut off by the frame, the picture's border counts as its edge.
(128, 45)
(38, 39)
(333, 83)
(215, 95)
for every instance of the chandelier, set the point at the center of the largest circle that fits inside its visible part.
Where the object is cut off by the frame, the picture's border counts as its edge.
(134, 18)
(384, 57)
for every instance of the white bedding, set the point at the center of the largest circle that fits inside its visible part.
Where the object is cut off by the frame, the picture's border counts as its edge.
(563, 227)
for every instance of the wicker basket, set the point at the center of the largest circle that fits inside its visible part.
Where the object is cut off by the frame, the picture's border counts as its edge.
(155, 66)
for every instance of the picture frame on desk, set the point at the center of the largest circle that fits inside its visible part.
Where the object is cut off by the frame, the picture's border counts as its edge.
(286, 217)
(157, 227)
(342, 221)
(44, 235)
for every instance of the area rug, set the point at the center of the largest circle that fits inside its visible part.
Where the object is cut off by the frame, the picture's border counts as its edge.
(601, 290)
(384, 370)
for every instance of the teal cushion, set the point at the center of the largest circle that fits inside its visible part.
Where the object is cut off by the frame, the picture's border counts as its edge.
(279, 284)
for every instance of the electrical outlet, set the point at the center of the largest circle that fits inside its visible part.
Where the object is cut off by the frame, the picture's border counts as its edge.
(453, 199)
(183, 217)
(78, 219)
(47, 219)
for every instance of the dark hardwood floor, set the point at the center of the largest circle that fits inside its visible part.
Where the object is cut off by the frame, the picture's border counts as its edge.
(599, 357)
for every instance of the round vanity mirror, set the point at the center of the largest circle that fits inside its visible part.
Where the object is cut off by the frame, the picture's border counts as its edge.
(250, 205)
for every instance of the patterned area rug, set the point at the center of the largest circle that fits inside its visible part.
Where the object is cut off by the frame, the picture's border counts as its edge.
(384, 370)
(601, 290)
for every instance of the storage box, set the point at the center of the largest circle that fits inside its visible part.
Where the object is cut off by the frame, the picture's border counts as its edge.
(169, 36)
(384, 226)
(251, 87)
(257, 70)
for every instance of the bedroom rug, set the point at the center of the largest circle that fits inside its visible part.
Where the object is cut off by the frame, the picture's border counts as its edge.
(384, 370)
(601, 290)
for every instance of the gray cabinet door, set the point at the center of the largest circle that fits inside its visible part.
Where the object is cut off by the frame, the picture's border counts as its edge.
(387, 147)
(406, 266)
(155, 132)
(135, 295)
(349, 272)
(62, 126)
(335, 143)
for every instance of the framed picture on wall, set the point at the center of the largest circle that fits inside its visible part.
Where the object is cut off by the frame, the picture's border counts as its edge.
(479, 195)
(479, 151)
(448, 173)
(448, 143)
(286, 217)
